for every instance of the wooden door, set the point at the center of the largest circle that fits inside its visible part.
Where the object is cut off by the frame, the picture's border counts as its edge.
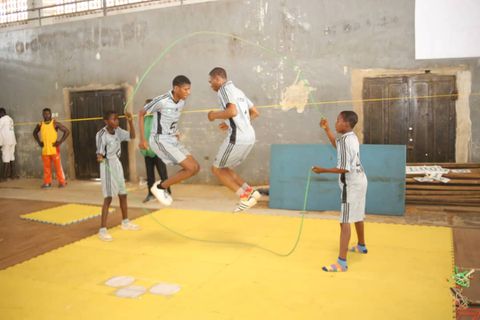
(91, 104)
(413, 111)
(432, 128)
(386, 112)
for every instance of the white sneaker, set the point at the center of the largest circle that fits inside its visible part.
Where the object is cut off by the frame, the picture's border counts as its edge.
(162, 195)
(245, 204)
(104, 236)
(130, 226)
(255, 194)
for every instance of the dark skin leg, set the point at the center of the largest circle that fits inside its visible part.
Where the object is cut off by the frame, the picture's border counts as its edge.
(226, 178)
(236, 177)
(123, 205)
(162, 171)
(360, 228)
(344, 240)
(106, 204)
(190, 167)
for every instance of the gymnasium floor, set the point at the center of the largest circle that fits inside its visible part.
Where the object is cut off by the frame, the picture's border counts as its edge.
(52, 272)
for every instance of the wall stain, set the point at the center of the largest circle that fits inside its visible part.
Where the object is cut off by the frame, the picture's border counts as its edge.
(19, 47)
(296, 95)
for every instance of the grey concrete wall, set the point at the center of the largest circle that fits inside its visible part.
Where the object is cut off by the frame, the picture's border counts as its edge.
(324, 39)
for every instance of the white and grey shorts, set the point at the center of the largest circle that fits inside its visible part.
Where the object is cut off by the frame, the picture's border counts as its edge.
(353, 188)
(231, 155)
(113, 181)
(169, 149)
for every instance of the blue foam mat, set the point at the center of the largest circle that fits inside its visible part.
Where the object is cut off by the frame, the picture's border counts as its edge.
(289, 165)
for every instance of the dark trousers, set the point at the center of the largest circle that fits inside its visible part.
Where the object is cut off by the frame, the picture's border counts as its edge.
(150, 165)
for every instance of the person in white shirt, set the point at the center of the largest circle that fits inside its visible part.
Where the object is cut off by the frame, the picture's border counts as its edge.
(7, 142)
(236, 113)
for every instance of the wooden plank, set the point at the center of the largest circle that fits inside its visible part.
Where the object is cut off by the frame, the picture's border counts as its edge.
(444, 198)
(451, 182)
(474, 211)
(462, 176)
(442, 192)
(441, 187)
(447, 165)
(452, 175)
(435, 208)
(446, 203)
(440, 196)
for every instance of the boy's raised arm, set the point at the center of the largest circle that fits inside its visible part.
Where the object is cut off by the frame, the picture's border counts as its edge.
(331, 137)
(129, 118)
(141, 116)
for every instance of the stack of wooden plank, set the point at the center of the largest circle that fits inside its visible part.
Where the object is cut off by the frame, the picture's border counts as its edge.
(463, 189)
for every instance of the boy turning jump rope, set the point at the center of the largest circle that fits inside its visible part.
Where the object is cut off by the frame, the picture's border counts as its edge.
(353, 186)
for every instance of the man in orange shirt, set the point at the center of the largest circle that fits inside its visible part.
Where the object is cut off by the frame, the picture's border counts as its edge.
(50, 144)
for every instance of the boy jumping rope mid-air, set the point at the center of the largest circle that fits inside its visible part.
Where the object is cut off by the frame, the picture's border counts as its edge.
(151, 159)
(236, 112)
(166, 110)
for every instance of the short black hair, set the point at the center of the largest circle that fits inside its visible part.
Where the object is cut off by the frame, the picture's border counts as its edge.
(218, 71)
(148, 101)
(47, 109)
(180, 81)
(107, 114)
(350, 117)
(3, 111)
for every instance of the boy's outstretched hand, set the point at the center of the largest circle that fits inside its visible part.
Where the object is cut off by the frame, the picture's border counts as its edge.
(324, 123)
(318, 169)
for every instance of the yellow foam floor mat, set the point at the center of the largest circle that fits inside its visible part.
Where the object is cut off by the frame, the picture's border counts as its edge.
(65, 214)
(404, 275)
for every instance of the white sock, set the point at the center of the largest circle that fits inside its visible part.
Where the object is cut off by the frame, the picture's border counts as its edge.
(240, 191)
(245, 186)
(125, 221)
(103, 230)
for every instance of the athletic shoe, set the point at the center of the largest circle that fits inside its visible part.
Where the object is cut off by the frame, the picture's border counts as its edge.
(130, 226)
(62, 185)
(255, 195)
(162, 195)
(250, 192)
(245, 204)
(46, 186)
(104, 236)
(148, 198)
